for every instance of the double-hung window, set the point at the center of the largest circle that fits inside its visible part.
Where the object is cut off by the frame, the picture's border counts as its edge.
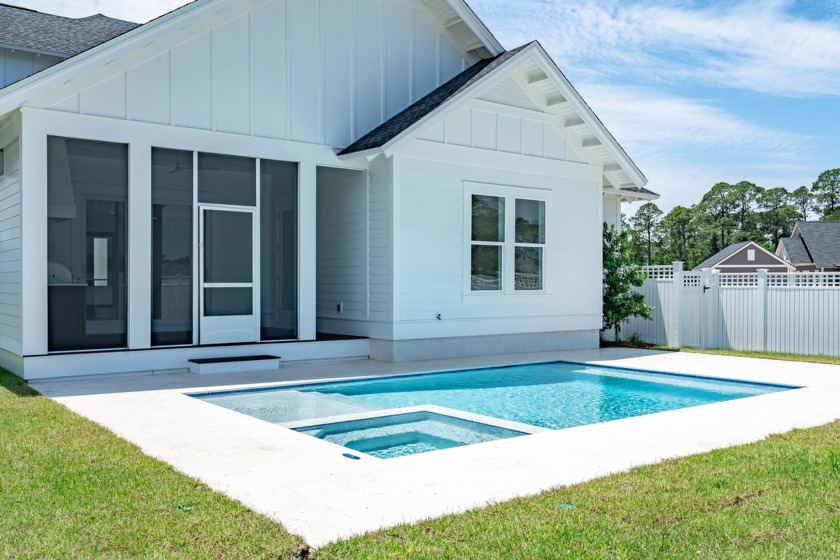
(507, 241)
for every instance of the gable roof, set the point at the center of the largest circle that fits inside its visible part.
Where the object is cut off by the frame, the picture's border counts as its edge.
(822, 240)
(31, 30)
(415, 112)
(795, 249)
(456, 15)
(575, 112)
(722, 254)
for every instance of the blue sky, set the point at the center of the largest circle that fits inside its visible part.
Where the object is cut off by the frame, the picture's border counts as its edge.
(697, 92)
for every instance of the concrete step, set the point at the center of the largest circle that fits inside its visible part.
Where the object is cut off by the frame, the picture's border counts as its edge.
(232, 364)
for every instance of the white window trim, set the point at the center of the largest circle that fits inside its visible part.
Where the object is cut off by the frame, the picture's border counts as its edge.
(508, 293)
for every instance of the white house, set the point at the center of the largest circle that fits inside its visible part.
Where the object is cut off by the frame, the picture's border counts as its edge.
(300, 178)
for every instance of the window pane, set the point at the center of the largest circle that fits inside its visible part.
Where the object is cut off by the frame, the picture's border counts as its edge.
(278, 250)
(486, 268)
(87, 192)
(530, 221)
(220, 302)
(228, 247)
(488, 218)
(528, 264)
(172, 247)
(227, 180)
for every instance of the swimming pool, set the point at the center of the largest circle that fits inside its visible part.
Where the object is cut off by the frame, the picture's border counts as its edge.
(553, 396)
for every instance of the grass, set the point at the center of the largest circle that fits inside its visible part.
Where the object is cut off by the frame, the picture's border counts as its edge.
(779, 498)
(833, 360)
(72, 489)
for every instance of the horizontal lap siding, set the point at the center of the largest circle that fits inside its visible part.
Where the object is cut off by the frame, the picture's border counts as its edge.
(315, 71)
(380, 240)
(10, 244)
(342, 244)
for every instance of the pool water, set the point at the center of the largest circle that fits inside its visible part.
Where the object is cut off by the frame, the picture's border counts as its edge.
(397, 435)
(555, 395)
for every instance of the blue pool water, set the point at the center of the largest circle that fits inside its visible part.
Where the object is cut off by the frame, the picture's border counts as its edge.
(554, 396)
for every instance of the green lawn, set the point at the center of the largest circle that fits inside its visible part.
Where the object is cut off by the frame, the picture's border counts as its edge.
(767, 355)
(71, 489)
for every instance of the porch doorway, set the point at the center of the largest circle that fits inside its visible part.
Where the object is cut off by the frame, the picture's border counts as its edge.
(229, 273)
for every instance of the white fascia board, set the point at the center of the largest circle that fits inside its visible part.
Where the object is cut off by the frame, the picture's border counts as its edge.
(589, 117)
(477, 26)
(455, 102)
(17, 94)
(630, 196)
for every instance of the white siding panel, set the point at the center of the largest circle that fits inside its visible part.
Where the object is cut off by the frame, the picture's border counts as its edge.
(451, 62)
(191, 83)
(71, 104)
(532, 138)
(397, 57)
(510, 134)
(342, 244)
(105, 99)
(18, 65)
(380, 240)
(425, 56)
(338, 71)
(232, 76)
(10, 241)
(304, 78)
(270, 99)
(555, 143)
(368, 22)
(459, 128)
(484, 129)
(435, 133)
(149, 104)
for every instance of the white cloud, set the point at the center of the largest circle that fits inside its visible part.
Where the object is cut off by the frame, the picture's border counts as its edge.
(754, 45)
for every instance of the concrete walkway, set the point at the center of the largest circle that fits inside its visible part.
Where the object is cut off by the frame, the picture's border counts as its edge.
(308, 486)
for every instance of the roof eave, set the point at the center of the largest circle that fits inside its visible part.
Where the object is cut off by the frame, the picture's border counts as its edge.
(477, 27)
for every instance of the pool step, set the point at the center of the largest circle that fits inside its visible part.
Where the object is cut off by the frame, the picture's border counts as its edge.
(233, 364)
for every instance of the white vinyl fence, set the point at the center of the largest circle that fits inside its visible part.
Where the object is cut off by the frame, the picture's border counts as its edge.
(797, 312)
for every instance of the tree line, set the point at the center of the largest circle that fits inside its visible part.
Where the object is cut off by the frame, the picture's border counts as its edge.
(729, 213)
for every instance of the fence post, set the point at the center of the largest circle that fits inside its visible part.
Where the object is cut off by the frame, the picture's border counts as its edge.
(673, 330)
(760, 324)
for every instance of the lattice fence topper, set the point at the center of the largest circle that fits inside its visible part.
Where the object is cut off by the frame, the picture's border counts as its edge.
(794, 312)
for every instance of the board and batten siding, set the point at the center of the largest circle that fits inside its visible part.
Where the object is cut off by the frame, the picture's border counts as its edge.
(434, 244)
(342, 244)
(10, 236)
(316, 71)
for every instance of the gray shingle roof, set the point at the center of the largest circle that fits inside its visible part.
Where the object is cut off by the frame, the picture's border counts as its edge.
(35, 31)
(822, 240)
(722, 254)
(397, 124)
(795, 249)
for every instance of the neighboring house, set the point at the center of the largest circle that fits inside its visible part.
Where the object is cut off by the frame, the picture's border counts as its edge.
(812, 246)
(236, 177)
(746, 256)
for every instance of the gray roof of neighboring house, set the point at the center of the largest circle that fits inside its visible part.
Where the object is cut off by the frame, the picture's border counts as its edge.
(400, 122)
(35, 31)
(822, 240)
(795, 249)
(722, 254)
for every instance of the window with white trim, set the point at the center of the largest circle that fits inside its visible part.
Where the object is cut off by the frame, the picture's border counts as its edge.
(507, 243)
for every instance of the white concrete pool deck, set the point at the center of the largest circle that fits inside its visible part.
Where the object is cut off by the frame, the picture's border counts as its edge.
(308, 486)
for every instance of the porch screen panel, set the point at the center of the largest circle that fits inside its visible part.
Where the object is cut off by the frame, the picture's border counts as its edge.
(172, 247)
(278, 250)
(87, 195)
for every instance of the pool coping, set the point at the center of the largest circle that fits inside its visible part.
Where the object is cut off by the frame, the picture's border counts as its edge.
(314, 491)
